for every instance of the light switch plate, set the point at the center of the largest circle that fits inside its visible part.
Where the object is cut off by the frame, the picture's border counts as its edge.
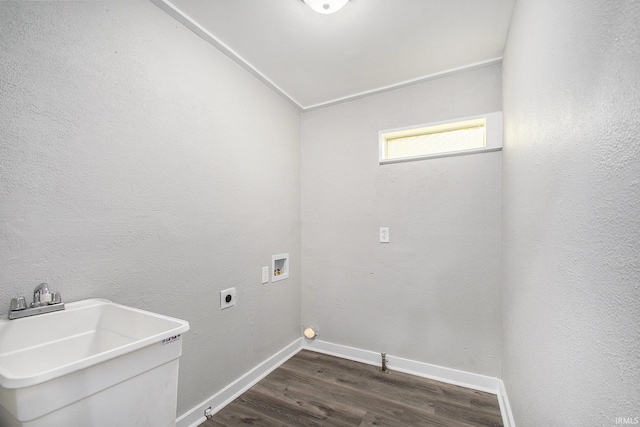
(265, 274)
(384, 234)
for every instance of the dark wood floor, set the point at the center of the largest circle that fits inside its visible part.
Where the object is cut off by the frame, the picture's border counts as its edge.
(313, 389)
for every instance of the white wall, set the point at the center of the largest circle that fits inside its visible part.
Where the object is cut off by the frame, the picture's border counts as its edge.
(432, 294)
(139, 164)
(571, 212)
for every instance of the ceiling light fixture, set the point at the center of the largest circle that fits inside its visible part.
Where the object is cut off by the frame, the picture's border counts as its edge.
(326, 6)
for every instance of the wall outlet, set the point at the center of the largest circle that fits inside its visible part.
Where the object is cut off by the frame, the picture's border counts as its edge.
(227, 298)
(265, 274)
(384, 234)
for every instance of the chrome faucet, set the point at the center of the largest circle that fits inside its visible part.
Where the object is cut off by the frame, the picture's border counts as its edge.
(44, 301)
(41, 295)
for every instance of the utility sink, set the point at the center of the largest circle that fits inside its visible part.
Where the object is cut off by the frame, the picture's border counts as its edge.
(94, 364)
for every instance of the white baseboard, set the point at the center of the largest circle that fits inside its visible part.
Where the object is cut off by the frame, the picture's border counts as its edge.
(420, 369)
(195, 416)
(479, 382)
(505, 407)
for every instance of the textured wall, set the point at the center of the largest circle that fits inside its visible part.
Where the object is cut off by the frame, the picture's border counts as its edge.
(139, 164)
(432, 294)
(571, 212)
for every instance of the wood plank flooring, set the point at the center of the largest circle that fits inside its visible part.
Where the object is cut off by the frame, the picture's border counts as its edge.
(313, 389)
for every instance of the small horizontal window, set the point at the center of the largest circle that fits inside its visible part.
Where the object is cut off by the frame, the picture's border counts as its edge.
(464, 136)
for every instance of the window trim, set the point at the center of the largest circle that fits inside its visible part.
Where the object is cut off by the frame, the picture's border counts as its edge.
(493, 141)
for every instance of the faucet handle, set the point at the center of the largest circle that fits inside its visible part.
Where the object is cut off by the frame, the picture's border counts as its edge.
(18, 304)
(56, 298)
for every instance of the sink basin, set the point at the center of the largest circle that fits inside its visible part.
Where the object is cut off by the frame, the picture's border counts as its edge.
(86, 364)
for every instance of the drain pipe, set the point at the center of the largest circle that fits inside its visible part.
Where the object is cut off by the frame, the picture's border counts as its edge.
(384, 363)
(207, 413)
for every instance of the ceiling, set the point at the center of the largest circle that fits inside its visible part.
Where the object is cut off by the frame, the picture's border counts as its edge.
(315, 60)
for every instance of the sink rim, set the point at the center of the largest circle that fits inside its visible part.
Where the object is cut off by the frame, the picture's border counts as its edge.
(10, 381)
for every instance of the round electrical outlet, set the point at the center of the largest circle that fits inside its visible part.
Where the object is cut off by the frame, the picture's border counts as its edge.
(227, 298)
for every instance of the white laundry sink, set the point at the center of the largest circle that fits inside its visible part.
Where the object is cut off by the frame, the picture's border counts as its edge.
(94, 364)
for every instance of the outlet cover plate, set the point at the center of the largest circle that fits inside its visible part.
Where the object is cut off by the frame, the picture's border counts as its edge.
(384, 234)
(227, 298)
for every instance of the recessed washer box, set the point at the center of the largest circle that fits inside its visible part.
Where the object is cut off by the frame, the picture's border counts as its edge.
(279, 267)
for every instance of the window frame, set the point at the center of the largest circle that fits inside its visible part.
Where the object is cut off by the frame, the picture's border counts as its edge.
(493, 138)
